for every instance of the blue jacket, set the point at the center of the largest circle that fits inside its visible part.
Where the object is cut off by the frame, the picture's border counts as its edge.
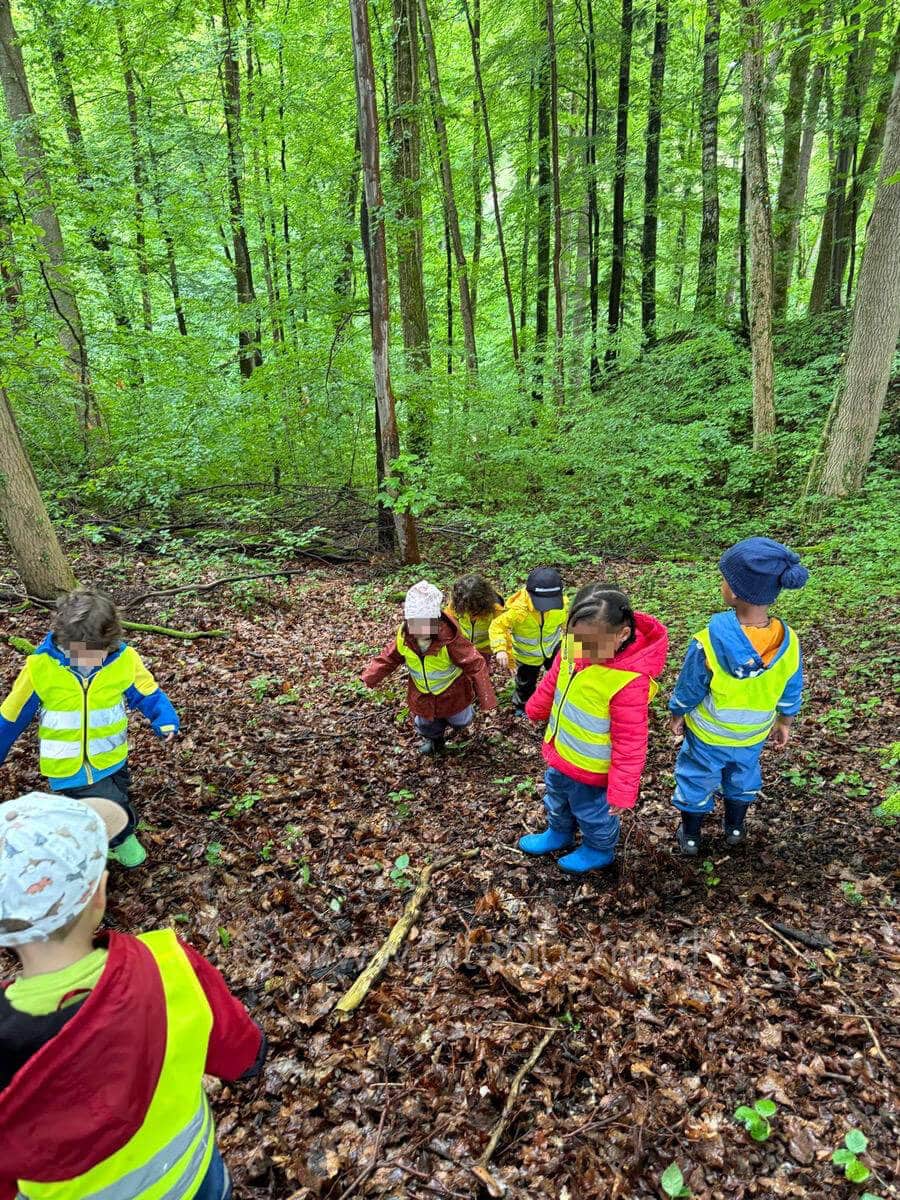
(737, 655)
(19, 708)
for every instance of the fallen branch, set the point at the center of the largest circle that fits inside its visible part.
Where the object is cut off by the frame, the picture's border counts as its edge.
(362, 985)
(493, 1185)
(815, 941)
(208, 587)
(162, 630)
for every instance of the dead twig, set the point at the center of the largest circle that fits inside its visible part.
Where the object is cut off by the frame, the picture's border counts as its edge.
(790, 945)
(361, 986)
(512, 1096)
(373, 1163)
(815, 941)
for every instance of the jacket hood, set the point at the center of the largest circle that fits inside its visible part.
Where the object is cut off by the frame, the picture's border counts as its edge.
(49, 646)
(647, 653)
(92, 1083)
(733, 648)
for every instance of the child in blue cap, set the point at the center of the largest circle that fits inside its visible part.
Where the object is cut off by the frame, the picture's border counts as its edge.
(740, 684)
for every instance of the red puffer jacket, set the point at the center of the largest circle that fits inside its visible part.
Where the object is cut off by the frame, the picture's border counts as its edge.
(627, 713)
(474, 681)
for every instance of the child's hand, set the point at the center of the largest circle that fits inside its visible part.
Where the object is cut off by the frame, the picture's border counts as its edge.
(503, 661)
(168, 739)
(781, 733)
(676, 724)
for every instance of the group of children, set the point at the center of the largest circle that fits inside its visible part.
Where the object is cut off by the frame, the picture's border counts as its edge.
(105, 1037)
(739, 687)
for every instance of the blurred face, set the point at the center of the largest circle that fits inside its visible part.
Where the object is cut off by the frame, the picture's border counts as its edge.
(597, 642)
(424, 627)
(85, 654)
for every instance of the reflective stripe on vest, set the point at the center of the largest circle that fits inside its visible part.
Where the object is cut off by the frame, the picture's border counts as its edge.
(168, 1157)
(741, 712)
(66, 738)
(432, 674)
(537, 637)
(477, 631)
(579, 721)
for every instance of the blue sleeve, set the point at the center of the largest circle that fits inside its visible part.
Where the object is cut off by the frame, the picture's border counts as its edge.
(157, 708)
(792, 696)
(10, 729)
(692, 683)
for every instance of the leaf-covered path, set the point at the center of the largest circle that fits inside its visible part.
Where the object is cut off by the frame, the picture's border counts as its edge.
(273, 829)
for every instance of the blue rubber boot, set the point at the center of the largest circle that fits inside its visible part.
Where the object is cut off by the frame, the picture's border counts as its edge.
(546, 842)
(586, 858)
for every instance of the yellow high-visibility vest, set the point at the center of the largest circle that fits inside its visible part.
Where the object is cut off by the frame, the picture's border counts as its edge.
(537, 637)
(579, 719)
(431, 673)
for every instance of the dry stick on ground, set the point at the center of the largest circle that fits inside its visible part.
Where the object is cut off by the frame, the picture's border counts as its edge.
(361, 986)
(511, 1098)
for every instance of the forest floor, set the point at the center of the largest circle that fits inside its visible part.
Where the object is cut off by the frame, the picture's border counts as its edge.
(274, 827)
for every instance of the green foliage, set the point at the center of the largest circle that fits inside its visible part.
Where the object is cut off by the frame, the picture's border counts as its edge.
(214, 854)
(672, 1182)
(848, 1156)
(710, 878)
(756, 1119)
(852, 894)
(398, 872)
(888, 811)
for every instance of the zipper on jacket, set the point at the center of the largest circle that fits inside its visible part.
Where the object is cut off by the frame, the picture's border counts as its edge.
(543, 655)
(85, 684)
(562, 701)
(425, 673)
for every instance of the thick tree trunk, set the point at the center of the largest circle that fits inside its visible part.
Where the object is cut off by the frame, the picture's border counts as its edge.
(760, 222)
(544, 218)
(651, 173)
(137, 170)
(405, 160)
(452, 212)
(558, 367)
(786, 214)
(379, 301)
(840, 467)
(705, 304)
(30, 149)
(249, 355)
(617, 274)
(36, 551)
(474, 35)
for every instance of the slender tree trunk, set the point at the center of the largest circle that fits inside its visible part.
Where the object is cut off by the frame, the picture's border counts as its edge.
(474, 23)
(526, 220)
(137, 170)
(379, 301)
(440, 128)
(841, 464)
(448, 292)
(474, 35)
(36, 551)
(10, 273)
(786, 214)
(591, 121)
(760, 221)
(651, 173)
(343, 281)
(617, 274)
(285, 192)
(405, 161)
(705, 303)
(204, 177)
(384, 523)
(544, 215)
(742, 250)
(30, 149)
(255, 120)
(249, 355)
(156, 191)
(558, 363)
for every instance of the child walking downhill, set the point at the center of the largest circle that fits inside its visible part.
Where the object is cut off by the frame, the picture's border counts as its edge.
(81, 681)
(533, 622)
(446, 672)
(741, 684)
(596, 696)
(474, 604)
(104, 1039)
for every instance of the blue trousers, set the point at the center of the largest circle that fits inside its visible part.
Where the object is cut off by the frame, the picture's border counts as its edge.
(702, 770)
(216, 1183)
(438, 727)
(570, 803)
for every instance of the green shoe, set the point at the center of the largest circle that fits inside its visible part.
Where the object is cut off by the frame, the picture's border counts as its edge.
(129, 854)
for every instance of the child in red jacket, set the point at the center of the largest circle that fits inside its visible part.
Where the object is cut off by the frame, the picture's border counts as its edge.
(104, 1040)
(595, 699)
(445, 670)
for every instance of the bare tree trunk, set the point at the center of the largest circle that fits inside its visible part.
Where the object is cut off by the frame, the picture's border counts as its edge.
(742, 249)
(405, 161)
(839, 468)
(255, 120)
(36, 551)
(591, 120)
(705, 303)
(617, 275)
(9, 272)
(285, 191)
(526, 220)
(651, 173)
(249, 355)
(384, 522)
(137, 170)
(786, 214)
(474, 23)
(544, 212)
(379, 301)
(155, 179)
(558, 364)
(495, 194)
(452, 213)
(760, 220)
(30, 149)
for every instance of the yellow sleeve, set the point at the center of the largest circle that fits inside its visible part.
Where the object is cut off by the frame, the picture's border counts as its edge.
(20, 693)
(501, 629)
(143, 678)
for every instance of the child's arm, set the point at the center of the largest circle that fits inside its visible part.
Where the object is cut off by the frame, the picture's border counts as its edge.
(148, 698)
(17, 711)
(500, 630)
(628, 731)
(540, 705)
(792, 696)
(237, 1045)
(471, 662)
(692, 683)
(385, 664)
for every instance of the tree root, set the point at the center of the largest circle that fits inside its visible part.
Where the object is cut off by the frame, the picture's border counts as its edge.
(359, 989)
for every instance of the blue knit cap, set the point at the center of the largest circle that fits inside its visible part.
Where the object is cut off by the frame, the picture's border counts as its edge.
(757, 568)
